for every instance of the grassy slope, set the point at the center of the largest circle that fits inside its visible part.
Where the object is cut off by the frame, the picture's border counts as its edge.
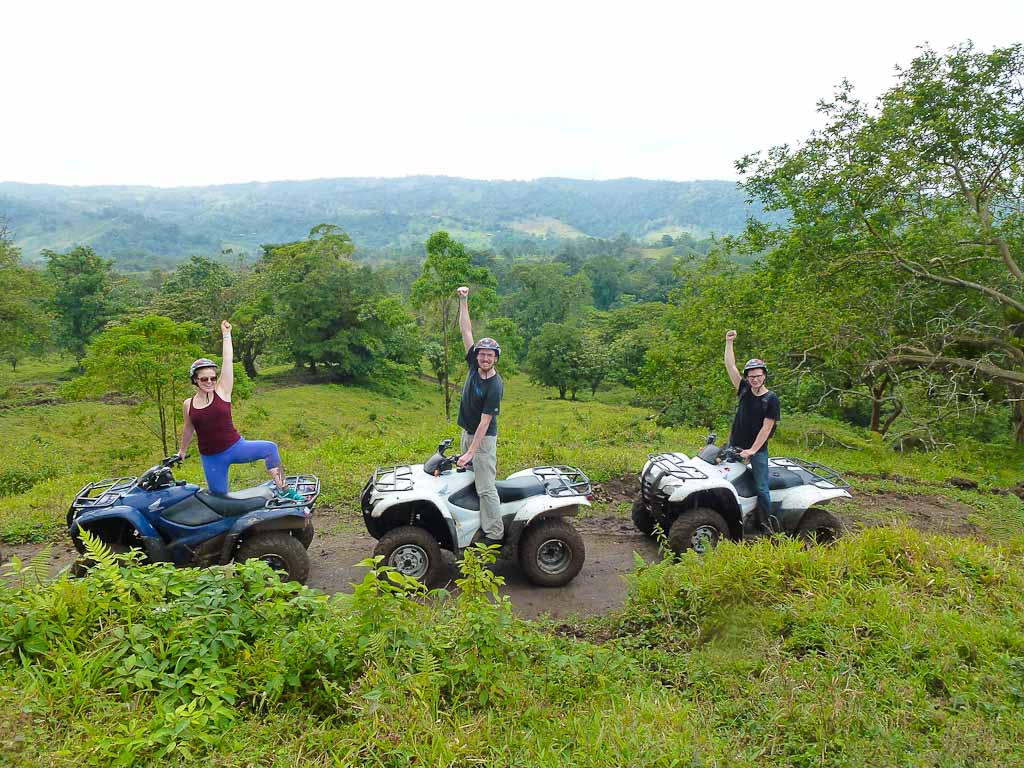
(341, 433)
(892, 648)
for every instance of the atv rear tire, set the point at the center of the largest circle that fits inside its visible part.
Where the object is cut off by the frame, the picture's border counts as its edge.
(412, 551)
(304, 535)
(642, 517)
(819, 526)
(551, 552)
(700, 530)
(281, 551)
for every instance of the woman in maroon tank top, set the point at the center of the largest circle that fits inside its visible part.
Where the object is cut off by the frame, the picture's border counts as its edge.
(207, 415)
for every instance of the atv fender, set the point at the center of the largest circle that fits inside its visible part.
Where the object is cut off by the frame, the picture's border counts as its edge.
(551, 506)
(566, 507)
(713, 493)
(265, 519)
(799, 499)
(121, 515)
(422, 511)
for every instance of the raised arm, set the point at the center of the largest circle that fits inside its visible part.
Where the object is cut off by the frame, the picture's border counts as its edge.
(464, 323)
(226, 381)
(730, 360)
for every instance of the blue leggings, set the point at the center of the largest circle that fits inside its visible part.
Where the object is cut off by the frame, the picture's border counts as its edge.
(242, 452)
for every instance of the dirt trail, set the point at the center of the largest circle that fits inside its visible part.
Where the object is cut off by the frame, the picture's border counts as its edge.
(610, 541)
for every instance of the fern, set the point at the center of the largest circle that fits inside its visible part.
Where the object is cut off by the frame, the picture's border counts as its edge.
(34, 573)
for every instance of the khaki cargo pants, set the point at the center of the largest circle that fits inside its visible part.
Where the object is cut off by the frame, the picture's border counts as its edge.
(485, 470)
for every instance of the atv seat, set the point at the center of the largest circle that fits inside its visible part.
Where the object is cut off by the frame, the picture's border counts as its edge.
(508, 490)
(779, 478)
(237, 503)
(519, 488)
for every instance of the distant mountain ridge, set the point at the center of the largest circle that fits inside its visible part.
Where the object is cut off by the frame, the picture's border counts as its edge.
(379, 213)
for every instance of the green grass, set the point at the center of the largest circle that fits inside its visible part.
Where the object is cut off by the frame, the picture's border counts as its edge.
(890, 648)
(341, 433)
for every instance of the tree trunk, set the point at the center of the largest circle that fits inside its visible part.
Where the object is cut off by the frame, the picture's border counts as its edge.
(561, 392)
(447, 365)
(1018, 416)
(249, 363)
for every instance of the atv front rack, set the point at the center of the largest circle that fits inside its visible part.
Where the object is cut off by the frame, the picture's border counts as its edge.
(401, 479)
(813, 473)
(563, 481)
(103, 493)
(664, 465)
(670, 464)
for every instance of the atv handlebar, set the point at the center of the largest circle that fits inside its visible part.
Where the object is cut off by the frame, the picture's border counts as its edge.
(170, 461)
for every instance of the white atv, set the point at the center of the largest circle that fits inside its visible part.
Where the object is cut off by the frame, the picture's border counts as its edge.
(699, 501)
(415, 511)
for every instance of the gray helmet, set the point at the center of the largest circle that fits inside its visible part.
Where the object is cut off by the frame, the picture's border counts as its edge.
(202, 362)
(488, 343)
(753, 363)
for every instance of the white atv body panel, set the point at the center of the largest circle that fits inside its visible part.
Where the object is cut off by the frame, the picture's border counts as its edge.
(436, 490)
(722, 477)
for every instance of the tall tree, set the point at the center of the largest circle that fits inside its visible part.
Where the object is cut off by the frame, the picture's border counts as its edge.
(196, 291)
(447, 266)
(80, 303)
(24, 324)
(148, 358)
(333, 313)
(927, 185)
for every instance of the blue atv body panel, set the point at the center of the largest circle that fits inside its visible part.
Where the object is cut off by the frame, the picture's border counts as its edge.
(173, 523)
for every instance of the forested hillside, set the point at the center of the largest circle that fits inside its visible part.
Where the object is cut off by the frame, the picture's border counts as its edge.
(143, 226)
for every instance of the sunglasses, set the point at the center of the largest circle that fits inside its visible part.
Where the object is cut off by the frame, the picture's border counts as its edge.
(206, 378)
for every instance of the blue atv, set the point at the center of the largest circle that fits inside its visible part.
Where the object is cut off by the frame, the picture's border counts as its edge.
(177, 522)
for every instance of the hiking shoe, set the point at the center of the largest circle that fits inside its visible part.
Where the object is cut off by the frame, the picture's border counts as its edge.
(290, 493)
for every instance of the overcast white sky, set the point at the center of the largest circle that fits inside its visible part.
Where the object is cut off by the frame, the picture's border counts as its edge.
(191, 93)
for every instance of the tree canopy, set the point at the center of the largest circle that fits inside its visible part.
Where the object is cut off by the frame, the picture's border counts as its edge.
(926, 187)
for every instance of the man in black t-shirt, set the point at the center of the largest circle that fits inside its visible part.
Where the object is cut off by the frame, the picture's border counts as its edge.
(754, 423)
(478, 417)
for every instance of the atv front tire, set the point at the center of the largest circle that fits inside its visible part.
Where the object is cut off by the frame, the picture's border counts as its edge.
(412, 551)
(551, 552)
(642, 518)
(281, 551)
(700, 530)
(82, 565)
(819, 526)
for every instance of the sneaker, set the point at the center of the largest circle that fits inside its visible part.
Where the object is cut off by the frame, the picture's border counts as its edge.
(290, 493)
(489, 542)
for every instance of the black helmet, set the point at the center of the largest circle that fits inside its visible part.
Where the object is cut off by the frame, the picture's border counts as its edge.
(753, 363)
(202, 362)
(488, 343)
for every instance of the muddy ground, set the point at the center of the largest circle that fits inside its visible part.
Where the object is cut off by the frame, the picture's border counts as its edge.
(611, 543)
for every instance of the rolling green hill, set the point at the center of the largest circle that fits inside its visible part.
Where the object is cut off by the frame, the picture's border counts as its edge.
(147, 223)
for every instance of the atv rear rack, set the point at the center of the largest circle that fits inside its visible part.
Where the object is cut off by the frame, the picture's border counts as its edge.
(401, 479)
(821, 476)
(562, 481)
(307, 485)
(103, 493)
